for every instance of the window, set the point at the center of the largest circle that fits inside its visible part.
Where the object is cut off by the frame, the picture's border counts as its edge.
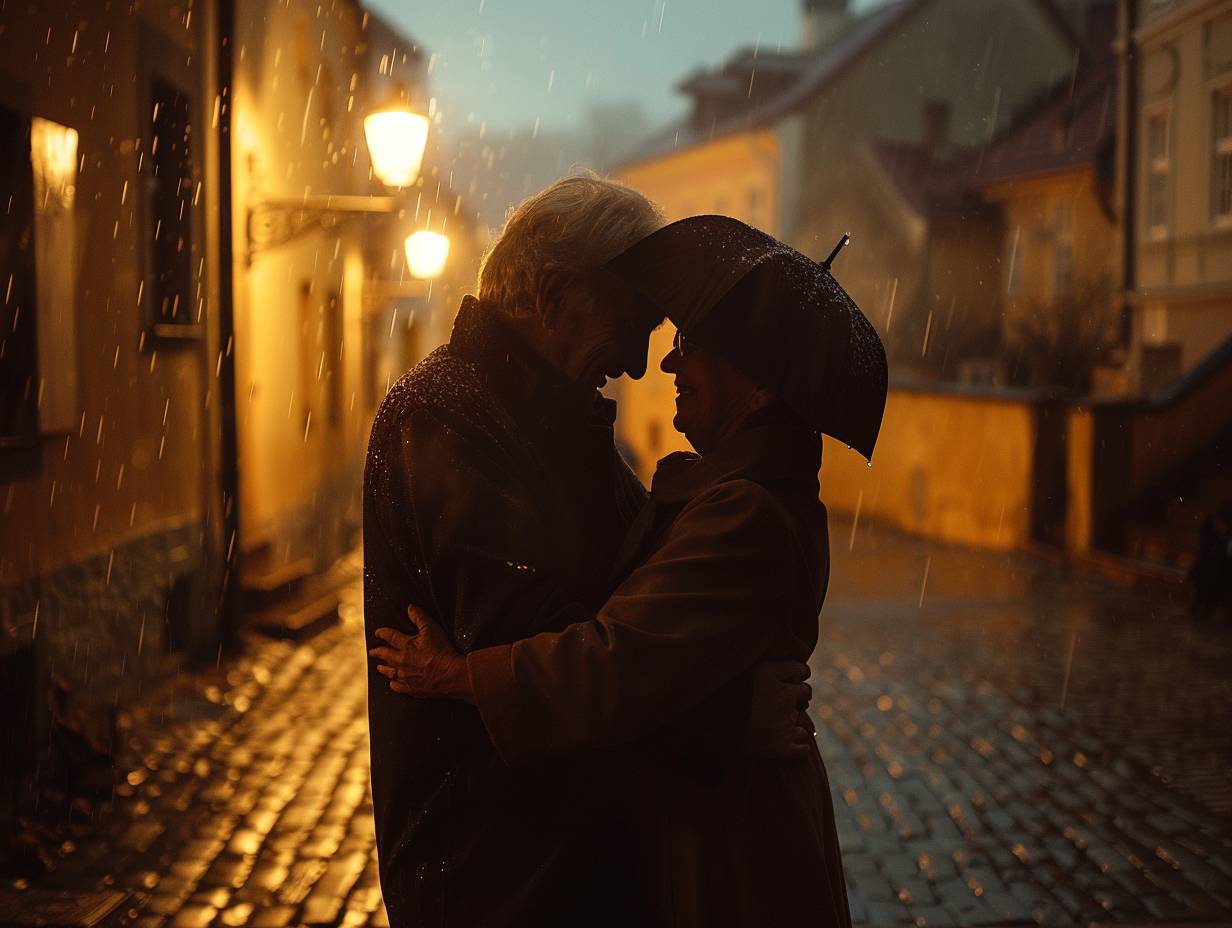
(38, 273)
(1159, 173)
(311, 354)
(53, 154)
(331, 358)
(18, 316)
(1062, 248)
(1221, 156)
(170, 190)
(1013, 264)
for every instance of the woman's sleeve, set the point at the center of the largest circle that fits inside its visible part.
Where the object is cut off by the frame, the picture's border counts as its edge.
(706, 606)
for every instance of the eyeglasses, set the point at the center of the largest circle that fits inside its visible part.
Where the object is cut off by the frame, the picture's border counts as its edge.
(680, 343)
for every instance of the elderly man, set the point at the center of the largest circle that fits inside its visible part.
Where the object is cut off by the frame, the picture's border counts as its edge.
(494, 499)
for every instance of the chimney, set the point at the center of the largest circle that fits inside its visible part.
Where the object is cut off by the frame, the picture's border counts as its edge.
(823, 21)
(1099, 31)
(936, 128)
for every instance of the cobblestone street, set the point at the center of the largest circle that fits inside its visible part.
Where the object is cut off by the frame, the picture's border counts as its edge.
(1006, 746)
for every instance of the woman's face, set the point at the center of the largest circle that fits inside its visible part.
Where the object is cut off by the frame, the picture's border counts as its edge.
(712, 397)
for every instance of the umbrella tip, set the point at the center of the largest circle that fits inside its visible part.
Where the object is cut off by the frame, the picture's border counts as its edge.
(842, 243)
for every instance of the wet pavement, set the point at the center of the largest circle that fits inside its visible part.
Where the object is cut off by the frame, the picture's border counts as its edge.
(1006, 746)
(1011, 745)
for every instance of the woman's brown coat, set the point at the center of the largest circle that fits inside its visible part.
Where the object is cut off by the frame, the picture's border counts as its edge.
(734, 571)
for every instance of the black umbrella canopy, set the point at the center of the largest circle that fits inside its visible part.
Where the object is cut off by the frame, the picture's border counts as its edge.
(773, 313)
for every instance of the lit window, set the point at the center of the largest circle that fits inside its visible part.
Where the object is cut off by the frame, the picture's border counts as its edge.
(53, 156)
(1159, 173)
(1221, 156)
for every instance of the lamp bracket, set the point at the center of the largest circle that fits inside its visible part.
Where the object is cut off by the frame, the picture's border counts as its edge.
(272, 223)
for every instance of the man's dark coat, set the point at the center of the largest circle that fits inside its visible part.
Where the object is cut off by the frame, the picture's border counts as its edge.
(494, 499)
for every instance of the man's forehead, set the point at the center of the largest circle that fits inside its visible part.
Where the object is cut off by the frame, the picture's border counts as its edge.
(625, 299)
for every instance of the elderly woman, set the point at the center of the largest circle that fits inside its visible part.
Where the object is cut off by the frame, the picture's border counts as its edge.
(729, 565)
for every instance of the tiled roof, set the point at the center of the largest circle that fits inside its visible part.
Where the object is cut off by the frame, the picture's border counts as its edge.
(1070, 125)
(931, 186)
(1067, 129)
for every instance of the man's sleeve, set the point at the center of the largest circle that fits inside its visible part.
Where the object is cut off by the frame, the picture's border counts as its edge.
(468, 529)
(705, 607)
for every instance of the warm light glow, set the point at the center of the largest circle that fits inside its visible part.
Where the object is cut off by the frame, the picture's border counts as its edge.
(53, 152)
(426, 253)
(396, 141)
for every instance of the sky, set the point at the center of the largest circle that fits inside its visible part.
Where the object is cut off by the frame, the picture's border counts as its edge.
(510, 62)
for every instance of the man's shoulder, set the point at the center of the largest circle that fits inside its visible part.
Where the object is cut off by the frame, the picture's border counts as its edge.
(442, 401)
(436, 382)
(445, 387)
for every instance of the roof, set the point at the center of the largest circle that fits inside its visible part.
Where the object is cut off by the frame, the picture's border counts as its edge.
(1066, 130)
(1071, 124)
(932, 187)
(805, 74)
(1059, 132)
(801, 75)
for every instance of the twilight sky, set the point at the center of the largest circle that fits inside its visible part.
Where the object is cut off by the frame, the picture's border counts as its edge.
(512, 61)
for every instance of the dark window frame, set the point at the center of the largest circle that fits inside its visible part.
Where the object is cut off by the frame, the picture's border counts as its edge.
(23, 291)
(164, 67)
(21, 450)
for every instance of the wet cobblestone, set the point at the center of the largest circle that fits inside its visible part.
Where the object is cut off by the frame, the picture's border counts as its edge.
(990, 763)
(1011, 745)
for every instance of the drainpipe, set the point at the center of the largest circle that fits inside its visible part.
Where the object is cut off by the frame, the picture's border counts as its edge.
(228, 601)
(1129, 211)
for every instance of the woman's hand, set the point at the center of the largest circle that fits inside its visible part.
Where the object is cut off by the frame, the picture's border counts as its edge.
(424, 664)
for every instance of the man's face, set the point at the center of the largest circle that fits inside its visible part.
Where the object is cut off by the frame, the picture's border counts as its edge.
(712, 397)
(604, 332)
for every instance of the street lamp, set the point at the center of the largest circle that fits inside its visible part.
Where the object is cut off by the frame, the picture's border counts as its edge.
(426, 253)
(396, 142)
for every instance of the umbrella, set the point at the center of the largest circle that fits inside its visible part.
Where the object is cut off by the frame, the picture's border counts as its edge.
(773, 313)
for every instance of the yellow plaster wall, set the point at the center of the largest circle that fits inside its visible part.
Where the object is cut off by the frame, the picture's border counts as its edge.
(948, 466)
(297, 133)
(1030, 206)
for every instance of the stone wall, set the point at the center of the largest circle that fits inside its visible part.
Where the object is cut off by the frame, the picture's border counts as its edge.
(102, 626)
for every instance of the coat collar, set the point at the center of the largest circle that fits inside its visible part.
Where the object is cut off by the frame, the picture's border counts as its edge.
(769, 448)
(533, 390)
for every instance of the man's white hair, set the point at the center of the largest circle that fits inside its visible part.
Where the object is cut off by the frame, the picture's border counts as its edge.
(558, 236)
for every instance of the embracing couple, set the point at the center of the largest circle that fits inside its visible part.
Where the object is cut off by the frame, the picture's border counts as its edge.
(586, 702)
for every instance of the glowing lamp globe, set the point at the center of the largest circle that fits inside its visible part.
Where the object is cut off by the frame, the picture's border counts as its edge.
(396, 142)
(426, 253)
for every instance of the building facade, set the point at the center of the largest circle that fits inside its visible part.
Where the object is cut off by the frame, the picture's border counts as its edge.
(1176, 158)
(109, 457)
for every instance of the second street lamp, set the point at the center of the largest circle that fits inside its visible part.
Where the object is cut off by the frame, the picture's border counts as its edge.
(426, 253)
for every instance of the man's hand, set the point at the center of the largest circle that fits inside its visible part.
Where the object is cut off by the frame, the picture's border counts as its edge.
(779, 726)
(424, 664)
